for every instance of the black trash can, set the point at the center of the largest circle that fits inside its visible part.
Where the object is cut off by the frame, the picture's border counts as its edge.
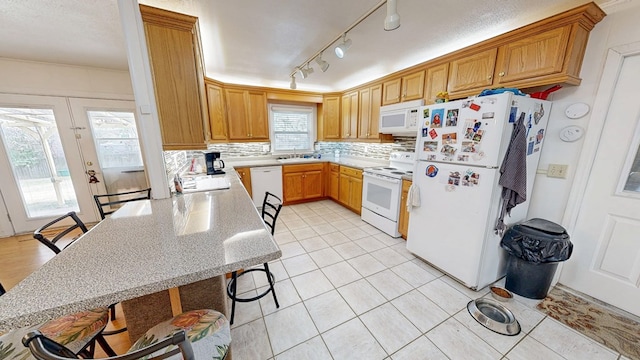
(535, 248)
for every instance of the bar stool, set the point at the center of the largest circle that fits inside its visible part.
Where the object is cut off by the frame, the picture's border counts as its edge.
(271, 206)
(196, 334)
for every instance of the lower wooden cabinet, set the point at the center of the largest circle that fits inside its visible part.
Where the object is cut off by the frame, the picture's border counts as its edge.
(350, 190)
(245, 176)
(403, 220)
(333, 181)
(302, 182)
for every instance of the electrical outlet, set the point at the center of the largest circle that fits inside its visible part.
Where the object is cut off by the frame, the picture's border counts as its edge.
(557, 171)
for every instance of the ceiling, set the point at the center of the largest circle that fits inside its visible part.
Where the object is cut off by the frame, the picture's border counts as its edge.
(258, 42)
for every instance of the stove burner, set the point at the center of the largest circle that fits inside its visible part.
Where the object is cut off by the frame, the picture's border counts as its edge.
(398, 172)
(390, 168)
(409, 171)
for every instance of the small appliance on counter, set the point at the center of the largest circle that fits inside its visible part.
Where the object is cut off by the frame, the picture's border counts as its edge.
(214, 163)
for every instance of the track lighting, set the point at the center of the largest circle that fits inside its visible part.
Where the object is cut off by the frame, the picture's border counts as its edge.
(342, 48)
(323, 64)
(292, 85)
(305, 72)
(392, 21)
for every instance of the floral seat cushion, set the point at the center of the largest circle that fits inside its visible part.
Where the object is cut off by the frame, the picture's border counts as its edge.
(74, 331)
(207, 330)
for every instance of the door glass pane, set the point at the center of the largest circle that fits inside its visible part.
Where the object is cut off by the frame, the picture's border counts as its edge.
(633, 180)
(37, 159)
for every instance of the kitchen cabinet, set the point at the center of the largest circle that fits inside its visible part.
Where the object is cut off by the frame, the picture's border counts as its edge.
(403, 219)
(533, 56)
(302, 182)
(350, 190)
(247, 115)
(350, 115)
(405, 88)
(244, 173)
(217, 114)
(370, 100)
(173, 44)
(333, 181)
(472, 73)
(331, 117)
(435, 82)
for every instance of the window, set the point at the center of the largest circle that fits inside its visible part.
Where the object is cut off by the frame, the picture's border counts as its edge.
(292, 128)
(116, 139)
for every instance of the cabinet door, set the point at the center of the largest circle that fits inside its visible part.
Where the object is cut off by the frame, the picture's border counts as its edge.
(258, 118)
(313, 184)
(334, 185)
(331, 117)
(537, 55)
(292, 187)
(391, 91)
(350, 115)
(245, 177)
(172, 48)
(374, 114)
(364, 113)
(355, 196)
(472, 72)
(413, 86)
(217, 119)
(403, 220)
(236, 114)
(344, 192)
(435, 82)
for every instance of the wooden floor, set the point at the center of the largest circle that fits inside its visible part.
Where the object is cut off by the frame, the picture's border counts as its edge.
(21, 255)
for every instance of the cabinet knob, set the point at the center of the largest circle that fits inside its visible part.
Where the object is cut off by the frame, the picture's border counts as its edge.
(501, 73)
(490, 77)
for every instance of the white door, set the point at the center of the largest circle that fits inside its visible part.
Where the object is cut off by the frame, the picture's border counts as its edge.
(42, 173)
(606, 260)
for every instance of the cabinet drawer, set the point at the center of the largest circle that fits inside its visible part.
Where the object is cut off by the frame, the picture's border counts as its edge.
(334, 167)
(302, 168)
(350, 171)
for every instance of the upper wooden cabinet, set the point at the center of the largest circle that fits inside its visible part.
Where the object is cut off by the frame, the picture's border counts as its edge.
(217, 114)
(435, 82)
(533, 56)
(473, 72)
(405, 88)
(331, 117)
(369, 112)
(247, 115)
(350, 115)
(173, 43)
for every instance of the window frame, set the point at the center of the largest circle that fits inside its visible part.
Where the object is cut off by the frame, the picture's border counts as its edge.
(312, 125)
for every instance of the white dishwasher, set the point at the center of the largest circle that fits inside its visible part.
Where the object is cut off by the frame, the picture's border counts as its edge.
(263, 179)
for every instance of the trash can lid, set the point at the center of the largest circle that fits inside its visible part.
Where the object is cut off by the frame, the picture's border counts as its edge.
(545, 226)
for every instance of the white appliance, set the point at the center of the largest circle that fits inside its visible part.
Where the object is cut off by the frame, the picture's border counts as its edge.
(263, 179)
(382, 189)
(400, 119)
(460, 148)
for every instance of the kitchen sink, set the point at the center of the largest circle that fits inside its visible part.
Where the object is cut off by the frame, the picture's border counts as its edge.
(298, 160)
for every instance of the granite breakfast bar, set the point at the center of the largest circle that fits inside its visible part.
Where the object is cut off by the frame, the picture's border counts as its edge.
(157, 257)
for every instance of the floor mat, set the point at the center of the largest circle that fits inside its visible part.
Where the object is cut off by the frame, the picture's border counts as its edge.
(611, 329)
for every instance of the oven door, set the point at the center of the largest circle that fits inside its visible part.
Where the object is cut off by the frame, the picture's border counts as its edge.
(381, 194)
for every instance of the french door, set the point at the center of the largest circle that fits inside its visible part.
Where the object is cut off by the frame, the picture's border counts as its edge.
(46, 153)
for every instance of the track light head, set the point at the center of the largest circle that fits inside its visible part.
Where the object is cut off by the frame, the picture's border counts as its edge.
(305, 72)
(342, 48)
(323, 64)
(293, 85)
(392, 20)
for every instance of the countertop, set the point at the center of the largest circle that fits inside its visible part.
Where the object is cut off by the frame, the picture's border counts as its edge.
(355, 162)
(145, 247)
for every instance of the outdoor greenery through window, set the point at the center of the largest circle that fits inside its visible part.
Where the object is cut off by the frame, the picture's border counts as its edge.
(116, 139)
(292, 128)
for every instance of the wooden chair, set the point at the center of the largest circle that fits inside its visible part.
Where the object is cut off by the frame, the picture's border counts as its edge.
(197, 334)
(271, 206)
(104, 203)
(78, 332)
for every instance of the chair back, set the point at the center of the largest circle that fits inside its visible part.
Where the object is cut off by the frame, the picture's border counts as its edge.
(58, 231)
(105, 203)
(271, 206)
(43, 348)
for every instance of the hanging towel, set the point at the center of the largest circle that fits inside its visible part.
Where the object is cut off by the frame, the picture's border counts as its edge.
(513, 173)
(413, 197)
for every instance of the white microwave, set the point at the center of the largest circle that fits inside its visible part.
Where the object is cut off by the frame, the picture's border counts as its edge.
(401, 119)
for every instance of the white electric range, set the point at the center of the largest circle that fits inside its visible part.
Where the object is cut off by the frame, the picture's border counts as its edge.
(382, 189)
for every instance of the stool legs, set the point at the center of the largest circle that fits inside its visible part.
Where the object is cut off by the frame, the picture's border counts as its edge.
(271, 281)
(232, 289)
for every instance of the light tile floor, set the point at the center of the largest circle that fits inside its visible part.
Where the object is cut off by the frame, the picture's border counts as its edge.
(348, 291)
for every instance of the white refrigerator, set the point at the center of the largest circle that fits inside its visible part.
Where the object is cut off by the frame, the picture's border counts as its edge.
(459, 149)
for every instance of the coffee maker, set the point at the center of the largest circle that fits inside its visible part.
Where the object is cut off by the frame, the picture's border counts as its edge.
(214, 163)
